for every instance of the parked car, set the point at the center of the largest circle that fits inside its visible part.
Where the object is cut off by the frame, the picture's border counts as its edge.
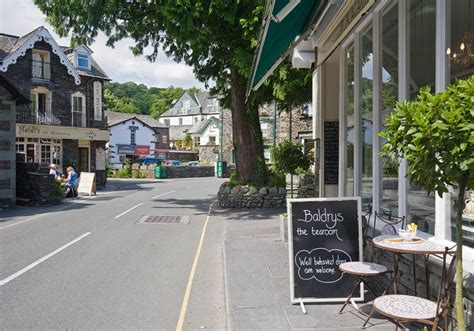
(172, 163)
(193, 163)
(152, 160)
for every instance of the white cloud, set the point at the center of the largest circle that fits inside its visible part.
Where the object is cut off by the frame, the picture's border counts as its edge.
(18, 17)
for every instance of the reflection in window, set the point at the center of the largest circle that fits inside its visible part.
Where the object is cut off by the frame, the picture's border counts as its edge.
(366, 115)
(422, 16)
(389, 201)
(350, 138)
(461, 61)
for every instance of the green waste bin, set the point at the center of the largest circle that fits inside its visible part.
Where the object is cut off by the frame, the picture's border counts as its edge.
(221, 168)
(160, 172)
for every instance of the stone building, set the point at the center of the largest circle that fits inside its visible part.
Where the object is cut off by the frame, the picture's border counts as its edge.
(198, 122)
(64, 124)
(300, 123)
(9, 99)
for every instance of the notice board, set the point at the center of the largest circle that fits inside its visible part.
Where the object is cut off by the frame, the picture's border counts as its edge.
(323, 233)
(87, 183)
(331, 153)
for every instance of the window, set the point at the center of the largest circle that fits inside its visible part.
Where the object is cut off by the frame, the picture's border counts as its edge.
(167, 122)
(186, 105)
(197, 142)
(41, 110)
(307, 109)
(44, 151)
(40, 64)
(350, 136)
(389, 193)
(180, 121)
(212, 140)
(422, 20)
(366, 63)
(132, 137)
(83, 60)
(78, 110)
(195, 119)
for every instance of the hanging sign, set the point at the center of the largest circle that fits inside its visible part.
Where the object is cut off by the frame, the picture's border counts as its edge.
(323, 233)
(87, 183)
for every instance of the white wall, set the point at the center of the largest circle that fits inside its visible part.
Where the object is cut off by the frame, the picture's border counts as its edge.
(211, 130)
(187, 120)
(120, 134)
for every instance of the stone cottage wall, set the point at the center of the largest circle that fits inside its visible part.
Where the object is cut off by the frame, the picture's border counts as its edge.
(250, 197)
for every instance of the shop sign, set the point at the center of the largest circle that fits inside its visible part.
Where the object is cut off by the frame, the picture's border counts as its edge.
(97, 101)
(133, 149)
(60, 132)
(87, 183)
(323, 233)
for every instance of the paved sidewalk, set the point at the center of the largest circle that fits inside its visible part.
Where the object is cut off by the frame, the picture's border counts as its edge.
(258, 285)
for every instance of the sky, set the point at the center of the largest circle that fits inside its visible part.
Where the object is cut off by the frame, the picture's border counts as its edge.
(18, 17)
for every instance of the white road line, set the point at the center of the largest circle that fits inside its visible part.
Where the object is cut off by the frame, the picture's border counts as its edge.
(44, 258)
(34, 217)
(119, 215)
(157, 196)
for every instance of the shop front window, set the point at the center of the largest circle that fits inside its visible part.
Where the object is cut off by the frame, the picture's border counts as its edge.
(350, 136)
(461, 65)
(366, 105)
(389, 200)
(422, 18)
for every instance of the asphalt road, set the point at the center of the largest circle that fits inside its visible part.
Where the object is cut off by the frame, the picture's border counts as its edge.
(87, 264)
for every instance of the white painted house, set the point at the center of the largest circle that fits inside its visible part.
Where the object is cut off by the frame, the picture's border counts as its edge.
(135, 136)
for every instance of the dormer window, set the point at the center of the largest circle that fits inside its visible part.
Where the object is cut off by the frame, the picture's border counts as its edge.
(83, 61)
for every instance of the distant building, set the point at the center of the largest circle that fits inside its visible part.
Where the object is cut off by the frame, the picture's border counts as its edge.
(301, 124)
(64, 123)
(135, 137)
(195, 124)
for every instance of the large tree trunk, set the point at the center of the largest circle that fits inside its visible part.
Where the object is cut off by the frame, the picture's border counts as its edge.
(459, 241)
(247, 134)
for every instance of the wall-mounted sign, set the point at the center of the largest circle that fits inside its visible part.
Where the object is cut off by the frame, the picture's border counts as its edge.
(60, 132)
(133, 128)
(133, 149)
(323, 233)
(100, 155)
(97, 101)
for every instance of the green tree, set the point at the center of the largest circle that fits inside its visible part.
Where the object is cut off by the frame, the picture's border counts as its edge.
(435, 134)
(188, 142)
(122, 105)
(215, 37)
(165, 99)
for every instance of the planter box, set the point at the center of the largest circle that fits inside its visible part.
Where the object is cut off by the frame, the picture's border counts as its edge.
(284, 227)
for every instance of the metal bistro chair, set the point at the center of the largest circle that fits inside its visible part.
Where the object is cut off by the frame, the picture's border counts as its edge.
(363, 270)
(390, 223)
(411, 309)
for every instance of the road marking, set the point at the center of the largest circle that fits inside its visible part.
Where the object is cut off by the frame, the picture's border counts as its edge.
(184, 306)
(119, 215)
(34, 217)
(44, 258)
(157, 196)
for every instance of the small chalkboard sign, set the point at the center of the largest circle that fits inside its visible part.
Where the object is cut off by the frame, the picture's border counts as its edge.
(323, 233)
(87, 183)
(331, 153)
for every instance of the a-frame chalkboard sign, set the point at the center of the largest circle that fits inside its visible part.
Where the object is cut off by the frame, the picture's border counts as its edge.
(323, 233)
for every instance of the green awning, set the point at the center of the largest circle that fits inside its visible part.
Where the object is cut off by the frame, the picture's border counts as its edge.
(278, 38)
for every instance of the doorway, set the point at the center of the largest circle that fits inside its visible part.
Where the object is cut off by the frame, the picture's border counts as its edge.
(83, 164)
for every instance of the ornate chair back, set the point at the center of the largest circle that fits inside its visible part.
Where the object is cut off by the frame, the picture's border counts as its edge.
(391, 223)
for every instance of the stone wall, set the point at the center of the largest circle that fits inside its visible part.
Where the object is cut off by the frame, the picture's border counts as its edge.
(304, 186)
(250, 197)
(299, 124)
(33, 187)
(208, 154)
(7, 152)
(187, 171)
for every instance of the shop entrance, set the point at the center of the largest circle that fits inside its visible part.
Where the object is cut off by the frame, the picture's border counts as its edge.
(83, 164)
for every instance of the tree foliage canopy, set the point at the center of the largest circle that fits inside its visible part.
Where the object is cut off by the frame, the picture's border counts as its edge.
(289, 158)
(435, 133)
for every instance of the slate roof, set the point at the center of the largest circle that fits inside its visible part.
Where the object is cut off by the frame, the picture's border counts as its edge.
(10, 43)
(179, 132)
(200, 126)
(200, 98)
(114, 118)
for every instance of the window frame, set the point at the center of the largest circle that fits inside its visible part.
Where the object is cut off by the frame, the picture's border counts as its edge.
(82, 112)
(83, 56)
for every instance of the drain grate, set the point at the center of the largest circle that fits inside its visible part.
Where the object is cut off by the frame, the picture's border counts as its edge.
(147, 219)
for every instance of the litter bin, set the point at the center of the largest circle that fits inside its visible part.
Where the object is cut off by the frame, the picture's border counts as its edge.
(160, 172)
(221, 168)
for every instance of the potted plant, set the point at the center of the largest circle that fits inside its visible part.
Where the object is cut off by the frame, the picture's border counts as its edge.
(435, 134)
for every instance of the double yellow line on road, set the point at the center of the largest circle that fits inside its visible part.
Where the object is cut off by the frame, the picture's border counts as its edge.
(187, 293)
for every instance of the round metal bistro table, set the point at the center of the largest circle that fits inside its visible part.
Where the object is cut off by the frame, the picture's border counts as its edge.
(417, 246)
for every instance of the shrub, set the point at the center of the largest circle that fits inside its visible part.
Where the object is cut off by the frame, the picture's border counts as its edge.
(288, 157)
